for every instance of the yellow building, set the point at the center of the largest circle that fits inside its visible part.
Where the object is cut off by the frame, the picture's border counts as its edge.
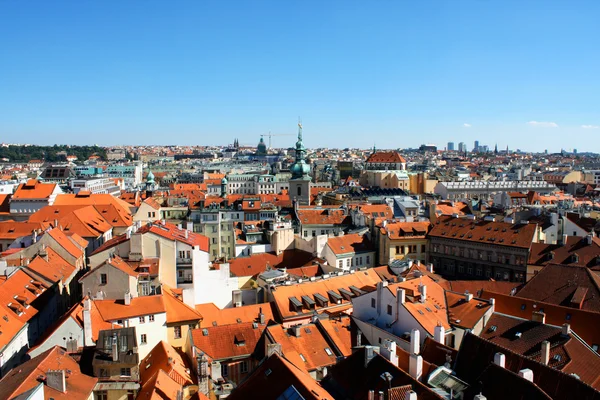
(399, 240)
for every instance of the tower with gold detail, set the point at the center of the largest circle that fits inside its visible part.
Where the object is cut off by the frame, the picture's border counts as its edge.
(300, 181)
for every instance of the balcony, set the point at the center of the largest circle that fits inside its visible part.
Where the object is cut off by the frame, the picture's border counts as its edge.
(183, 260)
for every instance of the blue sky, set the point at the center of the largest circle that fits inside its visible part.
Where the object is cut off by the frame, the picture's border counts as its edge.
(517, 73)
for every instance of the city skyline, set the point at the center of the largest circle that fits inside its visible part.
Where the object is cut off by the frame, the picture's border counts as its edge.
(394, 74)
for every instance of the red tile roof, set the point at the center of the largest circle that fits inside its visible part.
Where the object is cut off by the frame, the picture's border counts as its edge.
(351, 243)
(256, 264)
(489, 232)
(28, 375)
(581, 251)
(34, 189)
(408, 230)
(214, 316)
(562, 284)
(172, 232)
(323, 216)
(386, 157)
(309, 346)
(228, 341)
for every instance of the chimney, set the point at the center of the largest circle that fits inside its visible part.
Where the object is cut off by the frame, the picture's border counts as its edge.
(72, 345)
(468, 296)
(479, 397)
(236, 298)
(55, 223)
(415, 342)
(439, 333)
(430, 268)
(538, 316)
(545, 352)
(296, 330)
(187, 234)
(410, 395)
(261, 317)
(273, 348)
(87, 323)
(423, 291)
(371, 395)
(127, 298)
(56, 380)
(358, 337)
(34, 236)
(500, 359)
(114, 349)
(564, 238)
(526, 374)
(589, 238)
(566, 329)
(401, 296)
(492, 301)
(415, 366)
(389, 351)
(369, 354)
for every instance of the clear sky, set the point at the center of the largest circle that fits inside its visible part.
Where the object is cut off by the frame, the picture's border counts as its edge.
(395, 73)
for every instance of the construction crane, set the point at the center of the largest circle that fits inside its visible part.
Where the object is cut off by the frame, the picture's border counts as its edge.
(269, 135)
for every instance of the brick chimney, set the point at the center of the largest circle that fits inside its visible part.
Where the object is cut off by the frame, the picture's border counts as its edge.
(56, 380)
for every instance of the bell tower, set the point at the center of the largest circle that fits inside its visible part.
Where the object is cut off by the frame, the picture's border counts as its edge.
(300, 182)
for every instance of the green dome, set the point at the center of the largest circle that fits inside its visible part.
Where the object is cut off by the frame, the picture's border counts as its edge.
(300, 169)
(224, 181)
(150, 177)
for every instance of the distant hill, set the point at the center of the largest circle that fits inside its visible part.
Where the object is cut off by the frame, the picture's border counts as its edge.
(56, 153)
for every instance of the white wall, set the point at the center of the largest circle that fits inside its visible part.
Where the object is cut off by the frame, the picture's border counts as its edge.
(242, 249)
(68, 329)
(10, 356)
(210, 285)
(155, 331)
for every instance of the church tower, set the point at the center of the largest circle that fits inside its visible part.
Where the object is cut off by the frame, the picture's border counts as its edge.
(300, 182)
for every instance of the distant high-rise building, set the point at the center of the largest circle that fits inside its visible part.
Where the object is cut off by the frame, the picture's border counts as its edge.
(462, 147)
(476, 146)
(450, 146)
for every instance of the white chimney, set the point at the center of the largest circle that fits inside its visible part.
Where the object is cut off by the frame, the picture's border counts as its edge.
(371, 395)
(127, 298)
(430, 268)
(439, 334)
(538, 316)
(500, 359)
(389, 351)
(468, 296)
(401, 296)
(566, 329)
(526, 374)
(415, 342)
(492, 301)
(410, 395)
(56, 380)
(589, 238)
(87, 323)
(415, 366)
(423, 291)
(545, 352)
(479, 397)
(564, 238)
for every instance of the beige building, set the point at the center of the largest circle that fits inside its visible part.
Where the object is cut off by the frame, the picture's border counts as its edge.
(400, 240)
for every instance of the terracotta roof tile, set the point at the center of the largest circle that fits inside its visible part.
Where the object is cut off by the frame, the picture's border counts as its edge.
(34, 189)
(172, 232)
(258, 263)
(213, 316)
(497, 233)
(408, 230)
(228, 341)
(351, 243)
(113, 310)
(27, 375)
(386, 157)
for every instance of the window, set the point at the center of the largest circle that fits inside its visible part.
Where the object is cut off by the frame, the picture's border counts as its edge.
(103, 279)
(224, 370)
(143, 338)
(328, 351)
(373, 303)
(142, 320)
(244, 367)
(595, 347)
(322, 231)
(422, 248)
(151, 318)
(340, 263)
(299, 191)
(101, 395)
(397, 249)
(348, 262)
(125, 371)
(104, 373)
(177, 332)
(305, 233)
(368, 260)
(314, 233)
(389, 309)
(131, 395)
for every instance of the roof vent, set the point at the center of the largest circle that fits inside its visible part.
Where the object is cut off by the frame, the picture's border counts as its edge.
(204, 332)
(518, 335)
